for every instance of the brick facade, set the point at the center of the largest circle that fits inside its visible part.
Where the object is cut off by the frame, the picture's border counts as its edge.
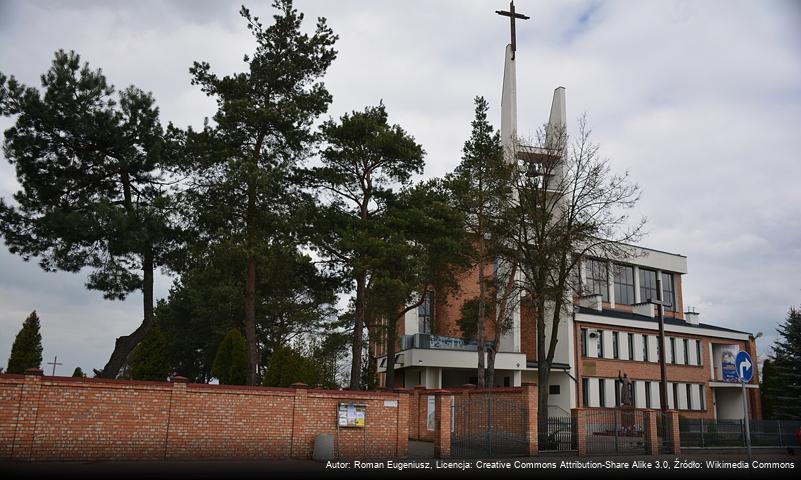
(62, 418)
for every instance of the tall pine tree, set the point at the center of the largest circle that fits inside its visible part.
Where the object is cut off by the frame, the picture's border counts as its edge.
(150, 359)
(783, 377)
(231, 362)
(26, 352)
(244, 184)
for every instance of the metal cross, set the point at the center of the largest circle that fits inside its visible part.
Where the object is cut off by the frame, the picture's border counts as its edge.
(54, 363)
(512, 15)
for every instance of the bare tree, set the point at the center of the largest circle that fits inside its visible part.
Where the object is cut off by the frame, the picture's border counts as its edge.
(570, 205)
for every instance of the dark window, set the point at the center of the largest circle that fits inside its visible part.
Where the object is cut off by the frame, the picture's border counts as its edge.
(600, 344)
(598, 279)
(689, 396)
(624, 285)
(675, 396)
(633, 393)
(585, 392)
(425, 313)
(672, 350)
(698, 360)
(659, 343)
(648, 288)
(583, 340)
(630, 336)
(668, 292)
(615, 348)
(602, 392)
(702, 405)
(686, 351)
(645, 348)
(506, 382)
(647, 394)
(617, 393)
(553, 389)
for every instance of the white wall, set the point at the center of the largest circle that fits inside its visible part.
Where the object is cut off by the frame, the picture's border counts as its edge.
(729, 403)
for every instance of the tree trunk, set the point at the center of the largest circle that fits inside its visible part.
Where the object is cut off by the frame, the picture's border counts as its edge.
(491, 350)
(124, 345)
(358, 330)
(481, 309)
(250, 321)
(543, 378)
(391, 339)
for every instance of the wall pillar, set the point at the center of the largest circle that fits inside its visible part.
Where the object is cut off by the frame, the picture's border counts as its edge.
(442, 434)
(177, 397)
(651, 433)
(298, 414)
(22, 447)
(402, 449)
(674, 437)
(531, 427)
(579, 416)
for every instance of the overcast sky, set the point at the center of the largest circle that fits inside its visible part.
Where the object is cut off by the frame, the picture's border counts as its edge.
(699, 100)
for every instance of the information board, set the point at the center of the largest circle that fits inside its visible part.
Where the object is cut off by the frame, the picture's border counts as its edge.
(351, 415)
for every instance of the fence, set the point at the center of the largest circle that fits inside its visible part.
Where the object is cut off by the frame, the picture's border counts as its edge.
(557, 436)
(706, 433)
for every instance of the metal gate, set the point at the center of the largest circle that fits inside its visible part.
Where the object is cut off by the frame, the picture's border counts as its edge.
(615, 431)
(557, 435)
(488, 425)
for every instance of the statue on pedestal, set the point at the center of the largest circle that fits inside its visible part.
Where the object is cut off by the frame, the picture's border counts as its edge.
(625, 389)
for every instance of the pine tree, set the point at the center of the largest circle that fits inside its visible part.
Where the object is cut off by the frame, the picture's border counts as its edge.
(231, 362)
(288, 366)
(150, 359)
(784, 392)
(27, 349)
(78, 372)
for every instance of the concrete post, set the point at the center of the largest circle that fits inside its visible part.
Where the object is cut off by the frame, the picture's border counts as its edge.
(531, 427)
(580, 430)
(650, 433)
(442, 434)
(673, 432)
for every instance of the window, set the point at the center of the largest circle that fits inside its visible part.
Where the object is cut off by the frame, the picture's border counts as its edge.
(615, 347)
(600, 343)
(675, 396)
(583, 340)
(624, 285)
(553, 389)
(648, 289)
(633, 393)
(617, 392)
(672, 350)
(698, 360)
(686, 351)
(659, 342)
(702, 405)
(689, 396)
(585, 392)
(425, 313)
(630, 336)
(645, 348)
(602, 392)
(668, 292)
(647, 394)
(597, 279)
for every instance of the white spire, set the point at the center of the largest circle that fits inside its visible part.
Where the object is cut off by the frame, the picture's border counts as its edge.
(509, 105)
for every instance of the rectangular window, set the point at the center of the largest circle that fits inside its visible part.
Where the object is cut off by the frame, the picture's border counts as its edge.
(675, 396)
(585, 392)
(686, 351)
(648, 289)
(633, 393)
(425, 313)
(702, 405)
(647, 394)
(598, 279)
(689, 397)
(672, 350)
(645, 348)
(617, 393)
(553, 389)
(600, 343)
(602, 392)
(615, 346)
(668, 292)
(583, 340)
(631, 345)
(624, 285)
(698, 358)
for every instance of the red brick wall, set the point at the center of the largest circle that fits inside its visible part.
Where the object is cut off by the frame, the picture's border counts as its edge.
(61, 418)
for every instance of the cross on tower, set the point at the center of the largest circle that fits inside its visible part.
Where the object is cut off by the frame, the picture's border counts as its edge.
(512, 15)
(54, 363)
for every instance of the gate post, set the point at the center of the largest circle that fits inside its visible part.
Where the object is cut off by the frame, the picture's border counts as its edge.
(580, 430)
(531, 427)
(651, 437)
(442, 433)
(673, 432)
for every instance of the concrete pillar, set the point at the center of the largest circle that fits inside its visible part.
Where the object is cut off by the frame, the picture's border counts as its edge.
(651, 436)
(579, 430)
(531, 427)
(22, 446)
(674, 437)
(442, 433)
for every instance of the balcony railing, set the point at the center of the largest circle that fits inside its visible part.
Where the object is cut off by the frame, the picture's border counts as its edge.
(437, 342)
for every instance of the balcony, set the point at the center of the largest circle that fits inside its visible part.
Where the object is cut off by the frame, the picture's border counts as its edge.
(437, 342)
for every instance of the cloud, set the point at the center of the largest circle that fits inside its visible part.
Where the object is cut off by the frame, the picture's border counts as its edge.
(700, 101)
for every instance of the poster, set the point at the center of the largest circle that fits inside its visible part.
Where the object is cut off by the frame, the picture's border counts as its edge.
(430, 417)
(351, 415)
(727, 368)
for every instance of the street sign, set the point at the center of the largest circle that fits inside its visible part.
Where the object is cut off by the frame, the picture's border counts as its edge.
(744, 366)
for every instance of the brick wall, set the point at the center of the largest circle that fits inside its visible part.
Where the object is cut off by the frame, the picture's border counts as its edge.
(62, 418)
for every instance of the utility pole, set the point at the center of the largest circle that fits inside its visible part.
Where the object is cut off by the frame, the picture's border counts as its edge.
(661, 349)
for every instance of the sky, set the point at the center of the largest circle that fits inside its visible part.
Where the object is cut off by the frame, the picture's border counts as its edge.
(699, 100)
